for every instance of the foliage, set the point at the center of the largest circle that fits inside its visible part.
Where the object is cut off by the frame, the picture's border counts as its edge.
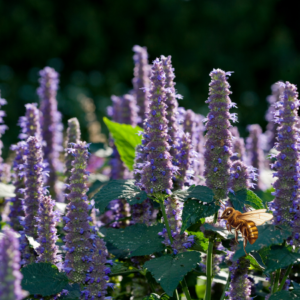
(169, 271)
(43, 279)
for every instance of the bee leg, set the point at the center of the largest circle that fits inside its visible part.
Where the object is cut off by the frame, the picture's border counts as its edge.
(245, 244)
(236, 233)
(228, 227)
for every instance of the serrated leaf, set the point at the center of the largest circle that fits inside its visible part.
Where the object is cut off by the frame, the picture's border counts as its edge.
(279, 257)
(43, 279)
(73, 292)
(169, 271)
(245, 197)
(199, 192)
(222, 232)
(284, 295)
(138, 239)
(267, 235)
(119, 189)
(7, 190)
(195, 210)
(126, 138)
(201, 242)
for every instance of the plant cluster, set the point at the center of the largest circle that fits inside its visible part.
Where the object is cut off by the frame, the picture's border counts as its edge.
(139, 217)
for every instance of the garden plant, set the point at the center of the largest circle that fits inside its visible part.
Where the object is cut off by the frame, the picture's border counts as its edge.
(138, 215)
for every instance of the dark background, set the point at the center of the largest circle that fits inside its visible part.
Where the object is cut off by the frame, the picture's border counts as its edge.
(90, 44)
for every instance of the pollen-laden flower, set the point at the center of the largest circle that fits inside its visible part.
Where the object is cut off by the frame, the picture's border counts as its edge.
(3, 128)
(30, 123)
(240, 285)
(271, 133)
(242, 176)
(286, 203)
(157, 173)
(51, 126)
(33, 192)
(10, 275)
(172, 105)
(141, 81)
(16, 208)
(255, 152)
(218, 147)
(73, 136)
(193, 124)
(47, 233)
(86, 253)
(238, 145)
(181, 242)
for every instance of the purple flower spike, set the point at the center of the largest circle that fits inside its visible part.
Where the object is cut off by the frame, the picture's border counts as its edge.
(238, 145)
(33, 194)
(286, 202)
(181, 242)
(254, 150)
(156, 175)
(141, 81)
(219, 140)
(193, 124)
(271, 133)
(16, 208)
(47, 233)
(172, 104)
(73, 136)
(10, 275)
(97, 285)
(51, 125)
(78, 238)
(242, 176)
(143, 213)
(184, 159)
(240, 285)
(30, 124)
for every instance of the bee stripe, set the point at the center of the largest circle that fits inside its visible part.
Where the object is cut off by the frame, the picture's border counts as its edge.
(252, 232)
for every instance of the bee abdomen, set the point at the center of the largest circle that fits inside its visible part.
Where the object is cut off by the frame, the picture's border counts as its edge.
(252, 232)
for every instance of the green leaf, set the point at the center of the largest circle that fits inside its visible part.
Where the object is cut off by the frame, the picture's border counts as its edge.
(43, 279)
(254, 263)
(169, 271)
(157, 297)
(119, 189)
(126, 138)
(285, 295)
(201, 242)
(73, 294)
(258, 260)
(7, 190)
(266, 196)
(222, 232)
(245, 197)
(118, 267)
(267, 235)
(138, 239)
(279, 257)
(195, 210)
(199, 192)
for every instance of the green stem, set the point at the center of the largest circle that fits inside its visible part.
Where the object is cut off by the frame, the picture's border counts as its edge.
(226, 287)
(209, 263)
(287, 272)
(275, 285)
(163, 210)
(186, 289)
(176, 295)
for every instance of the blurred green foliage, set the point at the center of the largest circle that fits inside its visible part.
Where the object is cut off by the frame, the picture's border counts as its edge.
(90, 44)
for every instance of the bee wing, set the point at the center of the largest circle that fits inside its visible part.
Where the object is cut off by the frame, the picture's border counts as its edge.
(259, 216)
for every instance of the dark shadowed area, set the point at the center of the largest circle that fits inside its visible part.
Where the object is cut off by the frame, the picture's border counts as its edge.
(90, 44)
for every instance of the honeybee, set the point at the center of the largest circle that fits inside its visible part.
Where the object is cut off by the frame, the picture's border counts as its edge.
(246, 223)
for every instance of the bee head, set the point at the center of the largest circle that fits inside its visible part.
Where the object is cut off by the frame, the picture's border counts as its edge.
(227, 213)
